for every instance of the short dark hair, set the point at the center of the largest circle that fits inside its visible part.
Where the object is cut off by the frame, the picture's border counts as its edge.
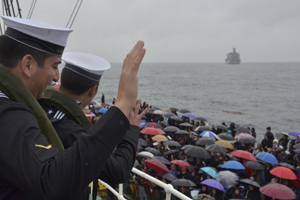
(76, 83)
(11, 52)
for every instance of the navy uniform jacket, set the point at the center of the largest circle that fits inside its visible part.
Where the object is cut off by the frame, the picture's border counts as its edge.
(31, 169)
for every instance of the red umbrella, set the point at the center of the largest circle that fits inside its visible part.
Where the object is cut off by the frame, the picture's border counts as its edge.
(284, 172)
(156, 165)
(244, 154)
(180, 162)
(152, 131)
(278, 191)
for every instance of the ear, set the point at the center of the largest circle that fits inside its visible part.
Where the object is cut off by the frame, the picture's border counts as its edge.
(93, 91)
(27, 65)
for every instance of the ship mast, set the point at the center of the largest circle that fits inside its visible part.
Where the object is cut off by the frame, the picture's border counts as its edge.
(10, 8)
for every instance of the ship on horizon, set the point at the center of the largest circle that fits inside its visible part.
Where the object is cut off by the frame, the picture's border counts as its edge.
(233, 57)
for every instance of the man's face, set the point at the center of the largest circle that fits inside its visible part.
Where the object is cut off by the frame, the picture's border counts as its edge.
(43, 75)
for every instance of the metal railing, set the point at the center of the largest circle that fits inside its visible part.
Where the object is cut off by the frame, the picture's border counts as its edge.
(167, 187)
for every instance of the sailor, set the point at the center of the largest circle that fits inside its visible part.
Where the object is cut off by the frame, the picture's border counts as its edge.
(79, 84)
(34, 164)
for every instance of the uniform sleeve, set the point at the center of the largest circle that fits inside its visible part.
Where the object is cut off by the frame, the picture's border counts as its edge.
(30, 163)
(120, 163)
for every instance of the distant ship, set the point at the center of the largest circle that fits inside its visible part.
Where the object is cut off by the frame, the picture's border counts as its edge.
(233, 58)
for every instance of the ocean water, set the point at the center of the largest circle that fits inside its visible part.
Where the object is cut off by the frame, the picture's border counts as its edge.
(264, 94)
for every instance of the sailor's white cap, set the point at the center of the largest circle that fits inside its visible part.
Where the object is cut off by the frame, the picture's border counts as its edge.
(38, 35)
(85, 64)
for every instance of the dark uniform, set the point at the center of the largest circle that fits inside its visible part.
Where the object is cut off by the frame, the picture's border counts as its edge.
(31, 169)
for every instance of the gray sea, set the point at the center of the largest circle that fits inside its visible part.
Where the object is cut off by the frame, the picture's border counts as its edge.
(252, 94)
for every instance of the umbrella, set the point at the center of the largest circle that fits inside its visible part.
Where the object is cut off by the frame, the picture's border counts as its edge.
(158, 112)
(267, 157)
(160, 138)
(233, 165)
(187, 146)
(180, 162)
(168, 115)
(189, 115)
(281, 134)
(207, 134)
(228, 178)
(182, 132)
(201, 119)
(142, 124)
(167, 176)
(171, 129)
(225, 144)
(225, 136)
(210, 171)
(162, 159)
(217, 148)
(254, 165)
(184, 111)
(173, 109)
(172, 143)
(142, 142)
(102, 110)
(183, 182)
(206, 141)
(186, 124)
(200, 129)
(156, 165)
(297, 146)
(213, 183)
(152, 109)
(197, 152)
(153, 125)
(243, 154)
(287, 165)
(152, 131)
(246, 140)
(243, 129)
(176, 118)
(283, 172)
(171, 152)
(146, 154)
(295, 134)
(154, 151)
(90, 114)
(156, 108)
(201, 196)
(278, 191)
(222, 127)
(242, 135)
(250, 182)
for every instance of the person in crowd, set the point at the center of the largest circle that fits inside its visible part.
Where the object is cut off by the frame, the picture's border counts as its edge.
(258, 149)
(284, 141)
(269, 134)
(173, 170)
(266, 143)
(253, 132)
(194, 178)
(183, 173)
(29, 62)
(281, 155)
(203, 190)
(268, 175)
(232, 129)
(113, 101)
(216, 194)
(237, 194)
(253, 193)
(102, 99)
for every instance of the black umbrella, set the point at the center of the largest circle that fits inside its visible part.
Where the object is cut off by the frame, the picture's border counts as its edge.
(152, 109)
(174, 109)
(225, 136)
(176, 118)
(206, 141)
(171, 129)
(197, 152)
(187, 146)
(217, 148)
(222, 127)
(246, 140)
(183, 182)
(201, 119)
(156, 108)
(254, 165)
(287, 165)
(184, 111)
(186, 124)
(250, 182)
(153, 151)
(200, 129)
(297, 146)
(182, 132)
(142, 142)
(167, 176)
(171, 152)
(162, 159)
(242, 129)
(172, 143)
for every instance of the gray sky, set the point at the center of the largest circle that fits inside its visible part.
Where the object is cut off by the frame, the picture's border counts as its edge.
(178, 30)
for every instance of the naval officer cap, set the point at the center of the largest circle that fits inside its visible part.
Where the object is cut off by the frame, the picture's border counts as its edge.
(85, 64)
(37, 35)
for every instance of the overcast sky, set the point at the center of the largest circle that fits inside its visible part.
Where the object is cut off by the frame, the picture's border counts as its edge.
(179, 30)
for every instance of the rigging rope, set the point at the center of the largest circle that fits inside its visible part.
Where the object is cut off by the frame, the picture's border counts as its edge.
(31, 9)
(73, 13)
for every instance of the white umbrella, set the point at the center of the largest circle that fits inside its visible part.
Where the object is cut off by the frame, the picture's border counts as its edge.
(280, 135)
(228, 178)
(158, 112)
(146, 154)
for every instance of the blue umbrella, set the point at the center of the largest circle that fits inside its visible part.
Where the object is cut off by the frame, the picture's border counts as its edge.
(232, 164)
(209, 171)
(267, 157)
(213, 183)
(168, 115)
(189, 115)
(102, 110)
(142, 124)
(295, 134)
(208, 134)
